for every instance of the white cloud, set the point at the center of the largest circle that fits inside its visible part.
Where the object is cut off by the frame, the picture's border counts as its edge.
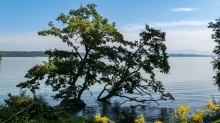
(190, 39)
(180, 39)
(136, 26)
(177, 38)
(182, 9)
(180, 23)
(133, 27)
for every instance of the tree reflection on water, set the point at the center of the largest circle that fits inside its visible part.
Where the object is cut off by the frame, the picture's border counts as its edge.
(124, 113)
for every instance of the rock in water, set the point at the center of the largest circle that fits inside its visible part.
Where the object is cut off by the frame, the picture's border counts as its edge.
(72, 103)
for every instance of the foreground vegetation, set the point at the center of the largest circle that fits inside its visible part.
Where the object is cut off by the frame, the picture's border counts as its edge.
(24, 109)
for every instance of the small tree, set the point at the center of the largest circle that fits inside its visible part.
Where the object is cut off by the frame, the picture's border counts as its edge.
(216, 60)
(108, 59)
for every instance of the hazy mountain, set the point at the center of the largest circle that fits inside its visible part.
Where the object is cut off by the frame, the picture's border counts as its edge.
(190, 51)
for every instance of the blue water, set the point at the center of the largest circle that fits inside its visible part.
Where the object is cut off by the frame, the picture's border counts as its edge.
(190, 81)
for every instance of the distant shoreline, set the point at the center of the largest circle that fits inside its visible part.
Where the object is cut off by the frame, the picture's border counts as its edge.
(189, 55)
(41, 54)
(23, 54)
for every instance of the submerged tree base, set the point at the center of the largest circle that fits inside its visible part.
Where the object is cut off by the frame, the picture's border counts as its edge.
(71, 103)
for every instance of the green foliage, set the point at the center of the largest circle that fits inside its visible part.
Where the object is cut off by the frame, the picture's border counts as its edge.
(17, 100)
(108, 60)
(23, 109)
(35, 110)
(216, 36)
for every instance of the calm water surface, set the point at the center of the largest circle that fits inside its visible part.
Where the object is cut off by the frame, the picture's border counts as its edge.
(190, 81)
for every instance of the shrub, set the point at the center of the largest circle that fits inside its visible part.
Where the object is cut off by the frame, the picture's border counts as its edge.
(211, 114)
(22, 108)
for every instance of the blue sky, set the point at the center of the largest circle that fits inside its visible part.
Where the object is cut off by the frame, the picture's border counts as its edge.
(184, 21)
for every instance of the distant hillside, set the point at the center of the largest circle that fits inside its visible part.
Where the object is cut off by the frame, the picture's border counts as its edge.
(41, 54)
(188, 55)
(190, 51)
(23, 54)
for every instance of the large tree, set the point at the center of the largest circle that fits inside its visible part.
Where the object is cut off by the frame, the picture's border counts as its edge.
(216, 60)
(108, 59)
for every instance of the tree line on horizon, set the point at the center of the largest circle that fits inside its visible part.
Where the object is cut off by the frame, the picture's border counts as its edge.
(23, 54)
(42, 54)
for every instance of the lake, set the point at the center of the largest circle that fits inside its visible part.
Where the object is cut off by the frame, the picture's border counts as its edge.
(190, 81)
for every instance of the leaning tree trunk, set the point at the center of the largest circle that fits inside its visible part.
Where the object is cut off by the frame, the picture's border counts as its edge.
(108, 96)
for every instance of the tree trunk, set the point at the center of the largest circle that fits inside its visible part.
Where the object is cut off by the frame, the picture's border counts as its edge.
(112, 93)
(82, 89)
(108, 96)
(105, 98)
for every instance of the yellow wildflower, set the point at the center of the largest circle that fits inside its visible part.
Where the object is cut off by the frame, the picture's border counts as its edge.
(198, 116)
(212, 108)
(181, 111)
(137, 121)
(100, 119)
(97, 116)
(157, 121)
(140, 119)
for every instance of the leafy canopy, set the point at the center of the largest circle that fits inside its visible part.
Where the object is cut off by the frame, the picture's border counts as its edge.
(216, 36)
(109, 60)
